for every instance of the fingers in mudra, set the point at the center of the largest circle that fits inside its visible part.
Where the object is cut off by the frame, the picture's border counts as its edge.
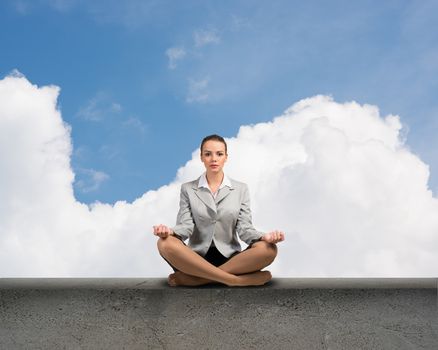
(275, 236)
(161, 230)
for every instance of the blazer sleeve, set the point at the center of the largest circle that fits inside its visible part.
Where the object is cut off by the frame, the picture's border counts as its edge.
(184, 220)
(244, 227)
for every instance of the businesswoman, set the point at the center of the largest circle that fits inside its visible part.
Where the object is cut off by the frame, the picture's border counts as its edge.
(214, 209)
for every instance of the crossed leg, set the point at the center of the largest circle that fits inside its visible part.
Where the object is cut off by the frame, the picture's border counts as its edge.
(242, 269)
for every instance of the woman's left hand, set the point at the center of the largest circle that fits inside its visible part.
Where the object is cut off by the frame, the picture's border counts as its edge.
(273, 237)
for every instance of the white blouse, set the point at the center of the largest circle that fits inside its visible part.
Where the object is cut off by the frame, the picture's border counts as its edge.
(203, 183)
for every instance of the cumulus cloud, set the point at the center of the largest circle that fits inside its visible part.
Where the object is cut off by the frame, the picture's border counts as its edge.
(197, 90)
(98, 107)
(238, 23)
(174, 54)
(135, 124)
(336, 177)
(205, 37)
(92, 181)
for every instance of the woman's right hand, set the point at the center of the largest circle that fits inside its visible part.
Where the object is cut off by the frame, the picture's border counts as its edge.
(162, 231)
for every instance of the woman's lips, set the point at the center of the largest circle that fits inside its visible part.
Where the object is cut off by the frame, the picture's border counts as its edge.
(214, 165)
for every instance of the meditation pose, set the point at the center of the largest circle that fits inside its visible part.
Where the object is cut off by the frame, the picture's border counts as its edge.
(213, 210)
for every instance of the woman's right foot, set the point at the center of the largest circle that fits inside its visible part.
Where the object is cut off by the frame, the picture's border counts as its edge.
(257, 278)
(179, 278)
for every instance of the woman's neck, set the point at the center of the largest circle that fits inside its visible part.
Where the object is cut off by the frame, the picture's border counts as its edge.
(214, 178)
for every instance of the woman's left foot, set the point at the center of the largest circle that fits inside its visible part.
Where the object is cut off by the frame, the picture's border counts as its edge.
(180, 278)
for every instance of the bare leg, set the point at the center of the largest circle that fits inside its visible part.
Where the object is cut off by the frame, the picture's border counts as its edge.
(189, 262)
(257, 257)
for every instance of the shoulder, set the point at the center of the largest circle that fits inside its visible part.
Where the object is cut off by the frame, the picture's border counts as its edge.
(189, 184)
(238, 184)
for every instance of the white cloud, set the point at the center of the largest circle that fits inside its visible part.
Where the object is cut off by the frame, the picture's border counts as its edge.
(198, 90)
(205, 37)
(98, 108)
(337, 178)
(238, 23)
(136, 124)
(175, 54)
(109, 151)
(92, 180)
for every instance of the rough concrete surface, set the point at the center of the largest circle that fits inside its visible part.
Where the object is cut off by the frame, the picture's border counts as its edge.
(286, 313)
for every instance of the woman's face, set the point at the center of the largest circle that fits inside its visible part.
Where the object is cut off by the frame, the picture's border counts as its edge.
(213, 156)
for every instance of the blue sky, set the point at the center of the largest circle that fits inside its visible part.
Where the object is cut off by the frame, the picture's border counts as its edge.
(143, 81)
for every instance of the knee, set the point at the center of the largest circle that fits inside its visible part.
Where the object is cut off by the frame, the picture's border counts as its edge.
(166, 245)
(272, 251)
(269, 249)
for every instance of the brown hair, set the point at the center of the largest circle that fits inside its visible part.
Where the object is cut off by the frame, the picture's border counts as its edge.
(215, 138)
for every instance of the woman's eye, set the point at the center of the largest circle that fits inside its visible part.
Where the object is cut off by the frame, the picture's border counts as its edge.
(209, 154)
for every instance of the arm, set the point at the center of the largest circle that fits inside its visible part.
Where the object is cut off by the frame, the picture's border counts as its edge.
(184, 221)
(244, 227)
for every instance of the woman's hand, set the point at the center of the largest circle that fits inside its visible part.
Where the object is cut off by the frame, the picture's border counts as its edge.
(162, 231)
(273, 237)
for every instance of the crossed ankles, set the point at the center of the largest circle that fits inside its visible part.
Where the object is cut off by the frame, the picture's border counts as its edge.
(257, 278)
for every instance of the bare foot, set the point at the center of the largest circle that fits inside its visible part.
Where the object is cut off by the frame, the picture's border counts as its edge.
(180, 278)
(257, 278)
(171, 280)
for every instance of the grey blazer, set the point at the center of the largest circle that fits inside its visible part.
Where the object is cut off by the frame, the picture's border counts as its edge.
(201, 218)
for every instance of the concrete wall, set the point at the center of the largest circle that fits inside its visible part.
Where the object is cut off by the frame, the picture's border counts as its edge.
(135, 313)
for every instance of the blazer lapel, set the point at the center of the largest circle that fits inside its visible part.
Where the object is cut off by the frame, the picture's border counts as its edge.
(205, 196)
(223, 192)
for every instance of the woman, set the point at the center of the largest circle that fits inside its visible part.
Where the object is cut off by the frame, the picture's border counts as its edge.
(213, 209)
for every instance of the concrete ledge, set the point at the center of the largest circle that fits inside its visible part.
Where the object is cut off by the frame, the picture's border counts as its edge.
(286, 313)
(161, 283)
